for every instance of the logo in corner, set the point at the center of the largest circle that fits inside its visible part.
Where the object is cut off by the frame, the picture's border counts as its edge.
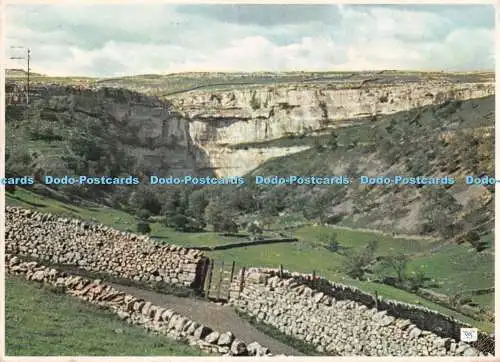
(468, 334)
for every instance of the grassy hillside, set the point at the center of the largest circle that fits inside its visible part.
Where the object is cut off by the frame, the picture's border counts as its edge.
(454, 139)
(40, 322)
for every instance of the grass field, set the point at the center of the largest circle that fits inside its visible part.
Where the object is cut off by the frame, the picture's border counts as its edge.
(308, 254)
(169, 84)
(41, 323)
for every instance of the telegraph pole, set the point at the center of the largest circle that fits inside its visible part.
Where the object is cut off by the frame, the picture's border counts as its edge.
(27, 58)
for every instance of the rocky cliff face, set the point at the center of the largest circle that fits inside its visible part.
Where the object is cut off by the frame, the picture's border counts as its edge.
(222, 119)
(225, 131)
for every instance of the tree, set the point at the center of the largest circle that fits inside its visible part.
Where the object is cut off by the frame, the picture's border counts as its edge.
(318, 144)
(417, 278)
(357, 261)
(220, 217)
(143, 227)
(146, 198)
(266, 222)
(143, 214)
(198, 202)
(398, 263)
(352, 170)
(274, 201)
(179, 222)
(172, 203)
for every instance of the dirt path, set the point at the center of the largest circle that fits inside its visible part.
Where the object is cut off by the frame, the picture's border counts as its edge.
(219, 317)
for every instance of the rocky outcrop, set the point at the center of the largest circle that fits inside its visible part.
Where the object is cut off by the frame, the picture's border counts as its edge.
(133, 310)
(98, 248)
(344, 321)
(227, 118)
(260, 114)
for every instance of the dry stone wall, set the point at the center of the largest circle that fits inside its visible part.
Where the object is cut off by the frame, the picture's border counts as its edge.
(343, 321)
(98, 248)
(337, 319)
(136, 311)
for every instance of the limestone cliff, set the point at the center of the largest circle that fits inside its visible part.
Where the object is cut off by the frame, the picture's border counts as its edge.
(226, 130)
(219, 120)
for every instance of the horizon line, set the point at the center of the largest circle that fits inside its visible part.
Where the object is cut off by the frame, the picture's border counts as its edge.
(288, 71)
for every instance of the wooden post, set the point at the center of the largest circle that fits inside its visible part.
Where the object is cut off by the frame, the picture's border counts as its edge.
(220, 279)
(314, 279)
(281, 271)
(210, 272)
(203, 275)
(376, 300)
(242, 281)
(231, 281)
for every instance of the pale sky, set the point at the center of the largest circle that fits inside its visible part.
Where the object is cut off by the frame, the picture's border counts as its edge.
(124, 39)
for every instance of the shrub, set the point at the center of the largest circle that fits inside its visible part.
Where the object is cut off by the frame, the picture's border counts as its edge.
(181, 222)
(357, 261)
(475, 240)
(333, 140)
(143, 227)
(330, 241)
(219, 216)
(254, 229)
(143, 214)
(398, 263)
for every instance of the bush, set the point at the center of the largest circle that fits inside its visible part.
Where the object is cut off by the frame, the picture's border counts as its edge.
(333, 140)
(398, 263)
(146, 198)
(143, 227)
(474, 239)
(56, 289)
(183, 223)
(220, 217)
(143, 214)
(254, 229)
(357, 261)
(330, 241)
(44, 133)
